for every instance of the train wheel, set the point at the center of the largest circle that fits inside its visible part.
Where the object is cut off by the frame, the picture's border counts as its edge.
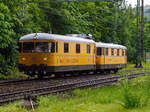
(40, 76)
(74, 74)
(115, 71)
(59, 75)
(56, 76)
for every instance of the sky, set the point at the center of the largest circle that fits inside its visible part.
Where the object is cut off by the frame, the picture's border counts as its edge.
(134, 2)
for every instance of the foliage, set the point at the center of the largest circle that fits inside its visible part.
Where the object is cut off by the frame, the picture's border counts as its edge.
(136, 99)
(130, 98)
(7, 46)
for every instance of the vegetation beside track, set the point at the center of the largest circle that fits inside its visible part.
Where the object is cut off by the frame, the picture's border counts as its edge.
(13, 74)
(125, 97)
(132, 66)
(130, 69)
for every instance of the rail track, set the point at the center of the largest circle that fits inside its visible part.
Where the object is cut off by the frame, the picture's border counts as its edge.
(19, 81)
(11, 92)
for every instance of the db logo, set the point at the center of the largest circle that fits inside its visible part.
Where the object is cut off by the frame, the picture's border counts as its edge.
(33, 59)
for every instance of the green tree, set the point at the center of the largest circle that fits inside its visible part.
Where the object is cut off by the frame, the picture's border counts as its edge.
(7, 48)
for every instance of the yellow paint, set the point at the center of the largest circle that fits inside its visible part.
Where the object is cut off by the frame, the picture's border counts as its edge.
(71, 58)
(60, 58)
(111, 60)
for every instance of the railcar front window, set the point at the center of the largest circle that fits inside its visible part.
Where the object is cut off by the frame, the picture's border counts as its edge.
(20, 47)
(28, 47)
(53, 47)
(41, 47)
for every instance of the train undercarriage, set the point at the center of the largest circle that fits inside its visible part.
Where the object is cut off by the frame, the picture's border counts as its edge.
(43, 70)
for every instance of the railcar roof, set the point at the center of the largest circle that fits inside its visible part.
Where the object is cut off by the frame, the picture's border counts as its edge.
(109, 45)
(46, 36)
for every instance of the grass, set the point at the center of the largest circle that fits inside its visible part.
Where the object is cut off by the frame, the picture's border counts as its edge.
(131, 66)
(126, 97)
(13, 73)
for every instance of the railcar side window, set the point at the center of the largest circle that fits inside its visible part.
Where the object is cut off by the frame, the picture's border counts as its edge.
(99, 51)
(112, 51)
(41, 47)
(28, 47)
(66, 47)
(122, 52)
(77, 48)
(118, 52)
(56, 46)
(106, 51)
(88, 49)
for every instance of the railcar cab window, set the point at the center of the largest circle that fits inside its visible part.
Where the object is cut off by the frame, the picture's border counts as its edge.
(77, 48)
(99, 51)
(88, 49)
(66, 47)
(51, 47)
(20, 47)
(28, 47)
(41, 47)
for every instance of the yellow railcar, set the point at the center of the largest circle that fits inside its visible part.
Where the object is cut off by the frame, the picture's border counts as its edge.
(110, 56)
(42, 53)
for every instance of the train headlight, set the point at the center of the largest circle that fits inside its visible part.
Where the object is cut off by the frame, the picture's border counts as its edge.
(34, 37)
(23, 59)
(45, 59)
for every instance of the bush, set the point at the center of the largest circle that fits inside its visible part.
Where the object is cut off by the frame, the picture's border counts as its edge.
(131, 99)
(3, 76)
(12, 74)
